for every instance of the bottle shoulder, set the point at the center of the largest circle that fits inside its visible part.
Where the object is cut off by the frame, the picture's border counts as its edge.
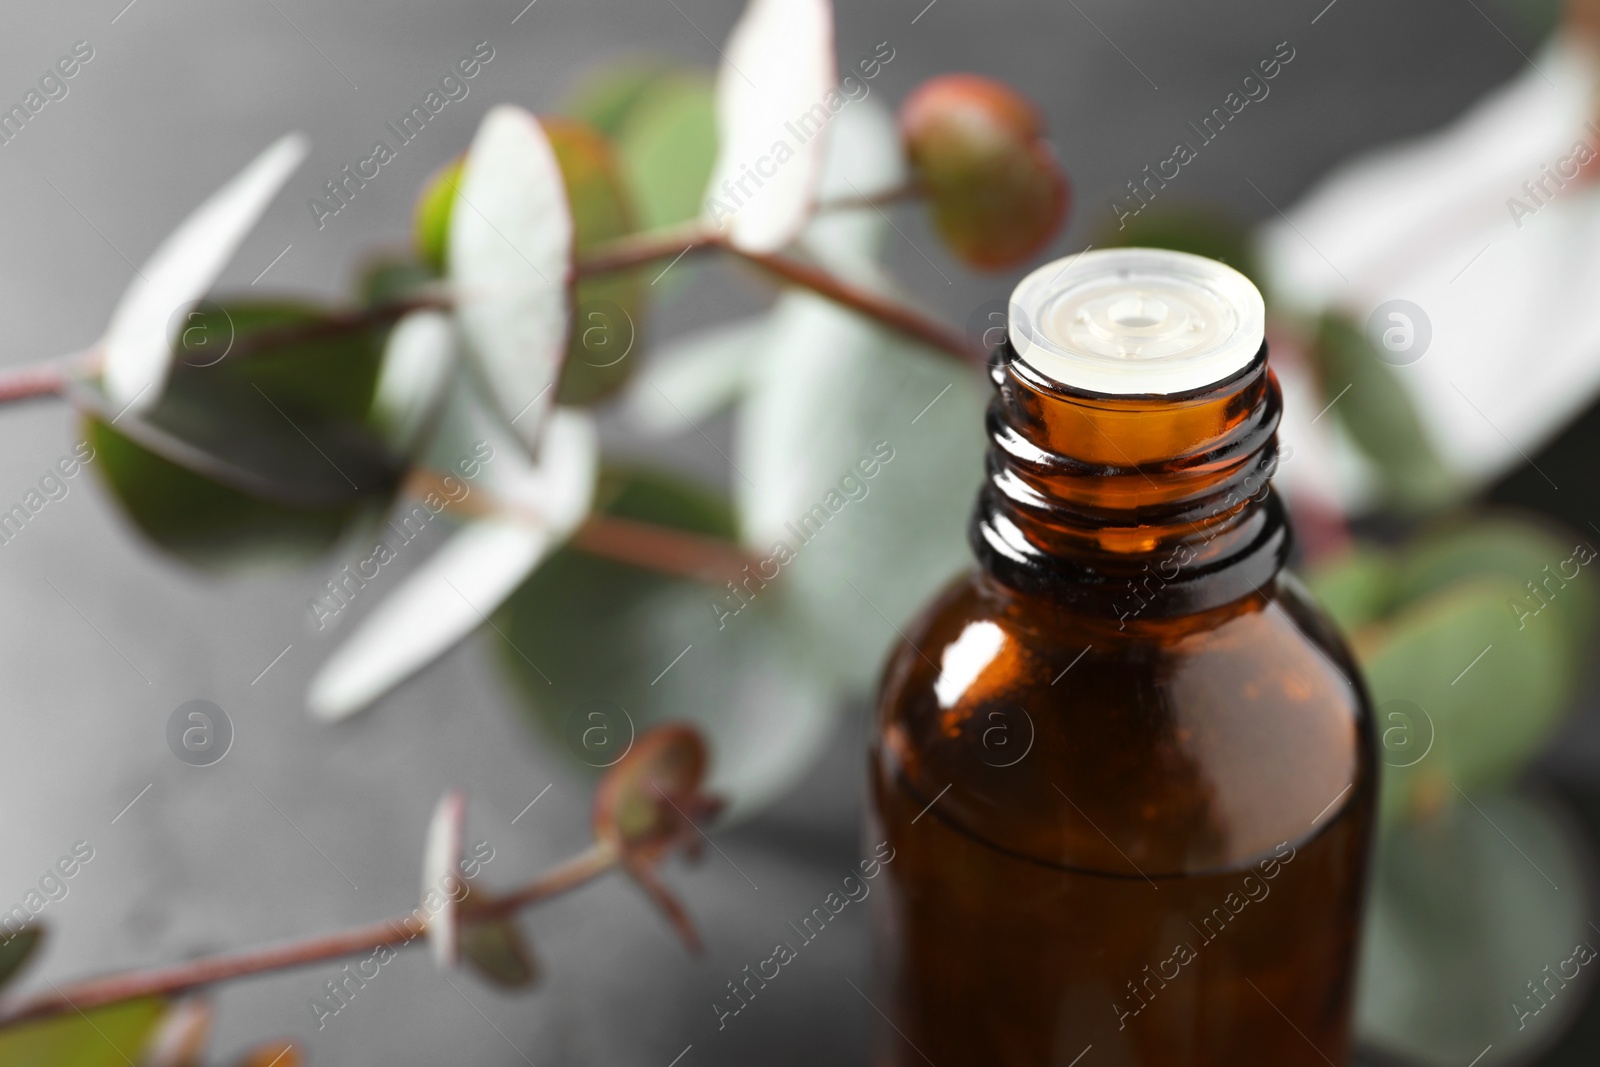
(1163, 745)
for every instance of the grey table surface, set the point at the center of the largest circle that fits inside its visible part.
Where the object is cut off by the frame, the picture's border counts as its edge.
(305, 827)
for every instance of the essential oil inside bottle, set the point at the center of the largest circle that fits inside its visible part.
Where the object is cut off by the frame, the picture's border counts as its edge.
(1126, 765)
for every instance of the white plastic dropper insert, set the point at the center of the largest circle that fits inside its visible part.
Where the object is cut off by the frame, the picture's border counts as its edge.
(1135, 321)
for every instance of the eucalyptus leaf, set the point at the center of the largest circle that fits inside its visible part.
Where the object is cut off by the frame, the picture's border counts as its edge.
(511, 264)
(496, 950)
(1467, 909)
(667, 142)
(1375, 410)
(608, 94)
(441, 878)
(608, 308)
(833, 397)
(139, 342)
(390, 279)
(1357, 587)
(789, 45)
(1489, 691)
(436, 206)
(1554, 562)
(1387, 238)
(17, 949)
(1473, 639)
(417, 362)
(112, 1036)
(257, 448)
(518, 513)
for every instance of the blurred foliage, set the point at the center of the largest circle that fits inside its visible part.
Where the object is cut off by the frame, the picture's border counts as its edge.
(1474, 638)
(101, 1037)
(17, 949)
(661, 120)
(495, 949)
(430, 225)
(1378, 416)
(1461, 921)
(1434, 624)
(610, 308)
(391, 278)
(252, 455)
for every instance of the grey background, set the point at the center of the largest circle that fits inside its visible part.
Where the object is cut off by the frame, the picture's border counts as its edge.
(101, 638)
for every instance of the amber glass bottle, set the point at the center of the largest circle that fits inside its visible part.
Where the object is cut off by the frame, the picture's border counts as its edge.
(1126, 766)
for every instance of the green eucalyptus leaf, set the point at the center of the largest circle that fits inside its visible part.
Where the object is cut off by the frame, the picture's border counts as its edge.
(608, 94)
(1357, 587)
(17, 949)
(862, 453)
(662, 120)
(668, 146)
(431, 219)
(113, 1036)
(609, 308)
(1467, 909)
(390, 279)
(496, 950)
(327, 376)
(1556, 563)
(1462, 693)
(605, 650)
(257, 449)
(1373, 408)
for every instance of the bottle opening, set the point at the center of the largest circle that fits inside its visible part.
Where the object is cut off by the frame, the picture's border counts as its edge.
(1135, 321)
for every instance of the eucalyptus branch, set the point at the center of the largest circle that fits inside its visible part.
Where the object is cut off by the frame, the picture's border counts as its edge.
(50, 379)
(891, 313)
(393, 933)
(638, 249)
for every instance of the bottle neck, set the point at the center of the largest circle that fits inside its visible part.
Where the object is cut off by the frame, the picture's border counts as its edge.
(1131, 506)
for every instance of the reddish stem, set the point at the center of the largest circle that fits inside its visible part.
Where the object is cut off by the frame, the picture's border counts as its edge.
(32, 383)
(167, 981)
(661, 548)
(586, 866)
(891, 313)
(638, 249)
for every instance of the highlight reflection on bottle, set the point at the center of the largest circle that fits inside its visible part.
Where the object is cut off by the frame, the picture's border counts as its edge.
(1170, 870)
